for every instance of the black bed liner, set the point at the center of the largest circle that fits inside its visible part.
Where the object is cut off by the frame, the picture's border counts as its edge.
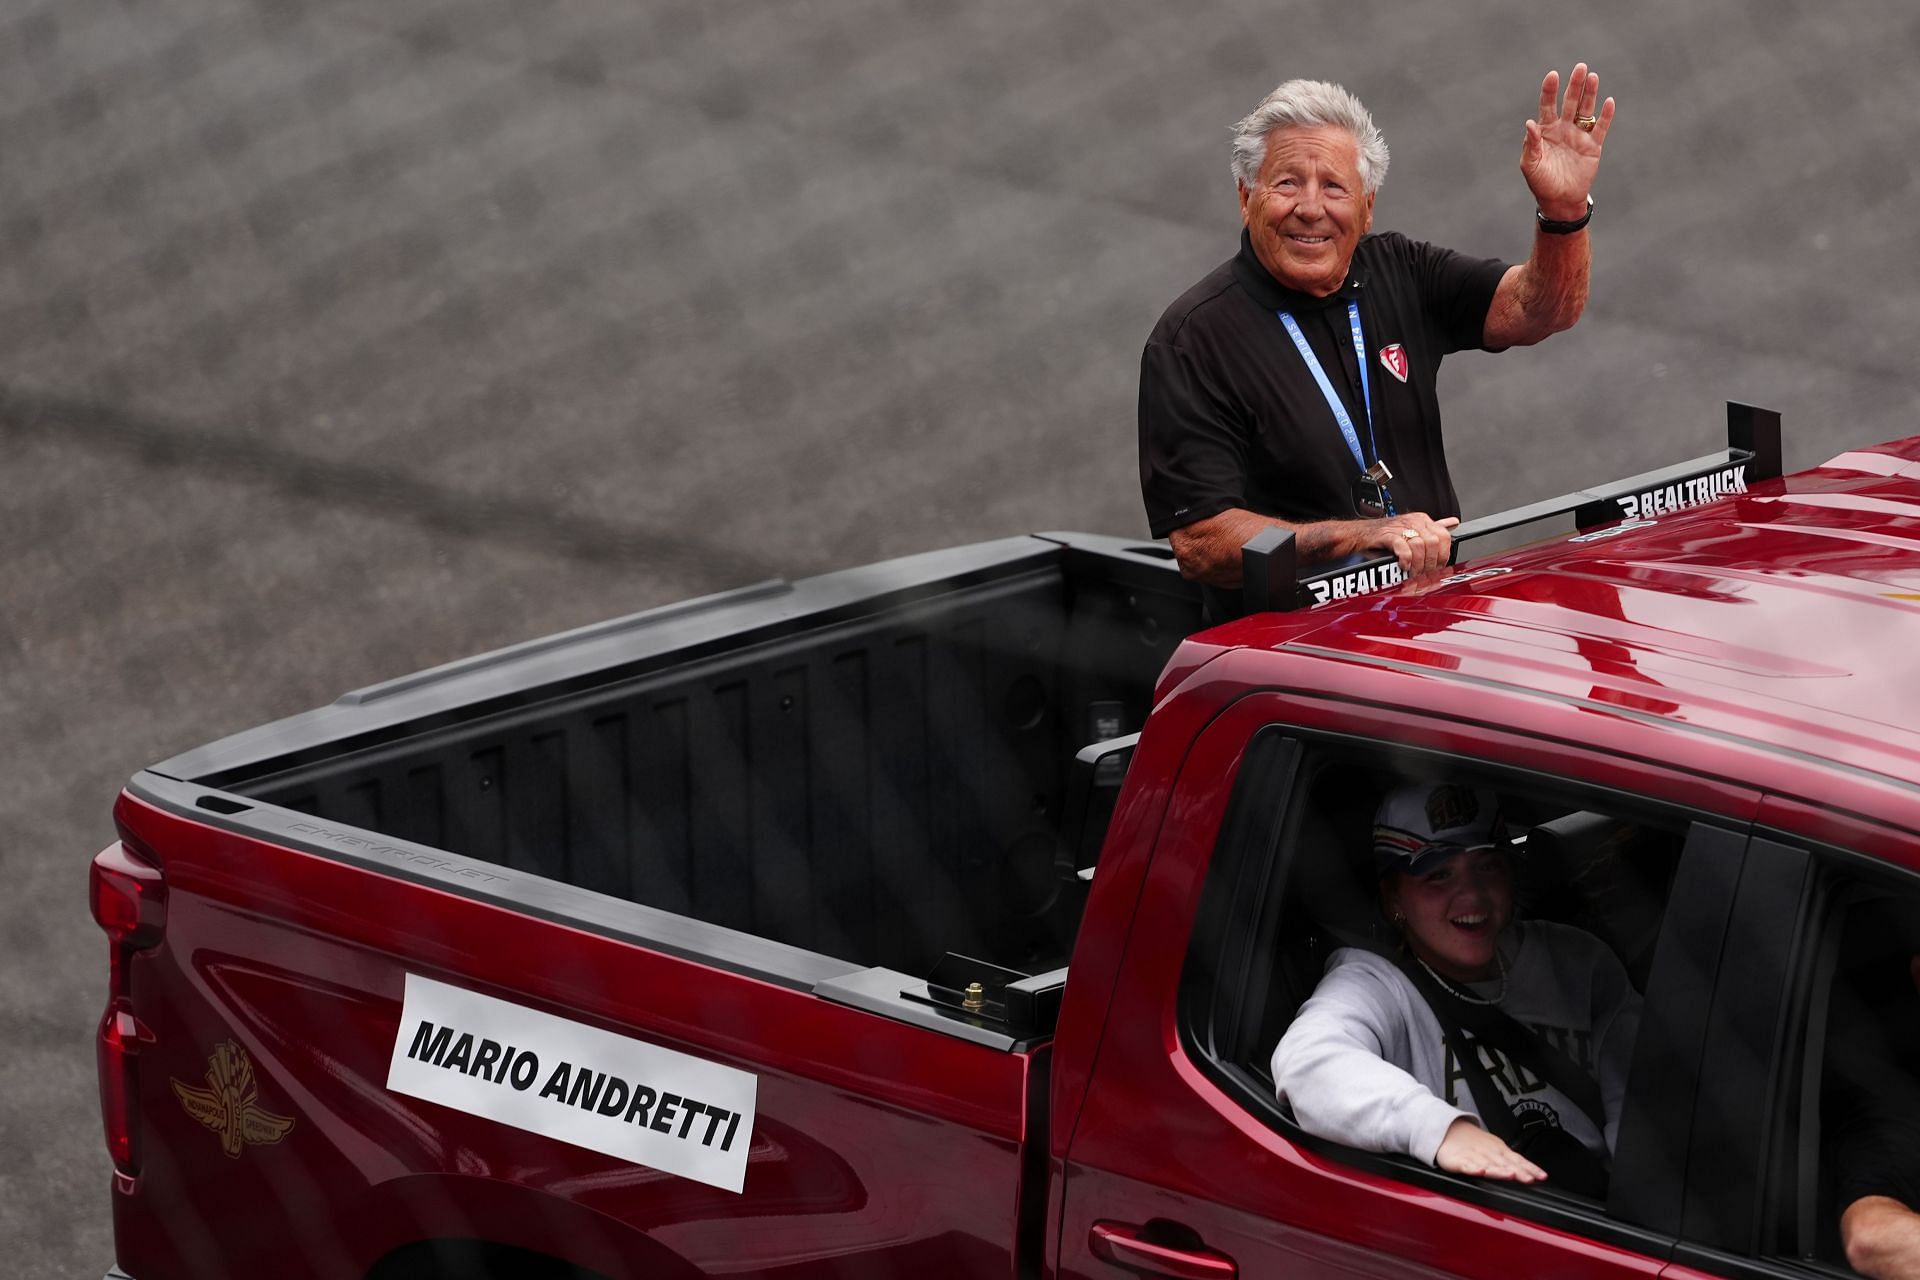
(870, 766)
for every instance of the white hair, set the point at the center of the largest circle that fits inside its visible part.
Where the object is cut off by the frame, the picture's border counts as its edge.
(1307, 104)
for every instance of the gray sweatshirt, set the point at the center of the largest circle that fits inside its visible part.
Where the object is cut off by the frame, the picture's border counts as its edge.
(1364, 1062)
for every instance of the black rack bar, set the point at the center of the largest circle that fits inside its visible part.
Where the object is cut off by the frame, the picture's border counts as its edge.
(1269, 571)
(1270, 560)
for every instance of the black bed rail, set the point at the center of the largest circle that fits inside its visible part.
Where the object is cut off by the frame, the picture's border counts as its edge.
(1271, 566)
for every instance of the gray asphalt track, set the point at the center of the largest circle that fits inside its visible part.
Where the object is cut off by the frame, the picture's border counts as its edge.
(339, 338)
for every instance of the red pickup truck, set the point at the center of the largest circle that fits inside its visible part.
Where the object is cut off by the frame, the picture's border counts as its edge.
(792, 932)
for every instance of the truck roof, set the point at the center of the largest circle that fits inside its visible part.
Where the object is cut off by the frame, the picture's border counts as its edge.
(1788, 615)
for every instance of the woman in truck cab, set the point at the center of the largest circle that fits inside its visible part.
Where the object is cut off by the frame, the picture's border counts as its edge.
(1482, 1044)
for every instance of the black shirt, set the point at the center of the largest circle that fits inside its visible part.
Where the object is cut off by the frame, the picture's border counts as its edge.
(1871, 1101)
(1230, 415)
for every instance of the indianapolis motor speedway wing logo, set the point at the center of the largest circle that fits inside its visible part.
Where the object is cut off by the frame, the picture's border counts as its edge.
(229, 1104)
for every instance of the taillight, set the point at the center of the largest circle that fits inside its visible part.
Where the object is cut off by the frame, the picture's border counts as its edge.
(129, 899)
(121, 1039)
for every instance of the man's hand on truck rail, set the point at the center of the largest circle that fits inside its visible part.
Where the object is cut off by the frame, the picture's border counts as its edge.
(1209, 550)
(1419, 542)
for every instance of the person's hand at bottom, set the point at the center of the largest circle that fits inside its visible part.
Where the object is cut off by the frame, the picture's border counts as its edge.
(1471, 1150)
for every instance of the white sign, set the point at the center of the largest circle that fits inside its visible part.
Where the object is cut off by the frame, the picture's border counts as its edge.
(574, 1083)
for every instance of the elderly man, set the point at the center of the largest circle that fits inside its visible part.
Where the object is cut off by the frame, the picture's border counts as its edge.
(1294, 385)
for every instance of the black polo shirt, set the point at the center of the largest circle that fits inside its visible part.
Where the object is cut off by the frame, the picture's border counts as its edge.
(1230, 415)
(1870, 1095)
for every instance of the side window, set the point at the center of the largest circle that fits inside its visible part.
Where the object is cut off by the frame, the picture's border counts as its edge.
(1859, 1112)
(1422, 942)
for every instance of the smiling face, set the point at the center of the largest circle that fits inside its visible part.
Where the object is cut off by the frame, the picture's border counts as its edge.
(1453, 912)
(1308, 208)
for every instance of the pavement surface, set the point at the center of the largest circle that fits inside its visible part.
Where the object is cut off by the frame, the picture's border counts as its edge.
(341, 338)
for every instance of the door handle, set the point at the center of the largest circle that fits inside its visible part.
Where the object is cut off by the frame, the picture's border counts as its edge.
(1126, 1246)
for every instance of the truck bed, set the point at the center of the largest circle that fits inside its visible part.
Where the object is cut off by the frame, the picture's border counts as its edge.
(870, 765)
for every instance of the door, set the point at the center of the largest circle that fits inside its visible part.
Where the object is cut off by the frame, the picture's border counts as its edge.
(1815, 1055)
(1184, 1162)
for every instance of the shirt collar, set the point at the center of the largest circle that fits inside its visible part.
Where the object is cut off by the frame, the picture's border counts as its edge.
(1274, 296)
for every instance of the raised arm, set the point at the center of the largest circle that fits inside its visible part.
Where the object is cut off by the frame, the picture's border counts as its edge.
(1559, 159)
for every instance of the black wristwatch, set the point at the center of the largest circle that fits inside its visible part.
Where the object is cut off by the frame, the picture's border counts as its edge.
(1556, 227)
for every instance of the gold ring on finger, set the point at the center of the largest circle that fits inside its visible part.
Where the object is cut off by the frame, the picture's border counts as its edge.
(1410, 533)
(1585, 122)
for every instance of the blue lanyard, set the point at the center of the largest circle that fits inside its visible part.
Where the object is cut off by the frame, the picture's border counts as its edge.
(1340, 414)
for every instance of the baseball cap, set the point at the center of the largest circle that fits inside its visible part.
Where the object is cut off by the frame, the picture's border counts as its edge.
(1418, 825)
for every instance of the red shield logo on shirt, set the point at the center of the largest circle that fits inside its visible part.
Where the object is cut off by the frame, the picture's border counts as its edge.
(1395, 358)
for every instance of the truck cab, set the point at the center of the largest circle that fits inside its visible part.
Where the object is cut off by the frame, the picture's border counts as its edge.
(1702, 734)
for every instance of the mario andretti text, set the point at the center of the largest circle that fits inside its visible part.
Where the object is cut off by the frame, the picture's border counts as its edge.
(571, 1085)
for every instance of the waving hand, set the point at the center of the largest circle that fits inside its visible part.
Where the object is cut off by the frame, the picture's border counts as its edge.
(1561, 154)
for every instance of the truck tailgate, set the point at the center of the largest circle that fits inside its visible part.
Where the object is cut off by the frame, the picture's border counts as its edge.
(875, 1146)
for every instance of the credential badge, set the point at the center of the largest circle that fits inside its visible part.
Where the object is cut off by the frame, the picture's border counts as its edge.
(229, 1103)
(1395, 359)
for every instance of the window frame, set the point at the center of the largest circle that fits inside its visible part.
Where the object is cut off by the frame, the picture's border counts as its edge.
(1781, 1093)
(1252, 866)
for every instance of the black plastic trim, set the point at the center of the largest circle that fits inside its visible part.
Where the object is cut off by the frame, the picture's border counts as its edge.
(873, 990)
(1610, 502)
(1717, 1262)
(1269, 571)
(564, 640)
(882, 991)
(1687, 959)
(1147, 566)
(532, 895)
(1774, 1097)
(673, 635)
(1035, 1002)
(1742, 1046)
(1228, 917)
(1757, 431)
(1271, 562)
(1083, 830)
